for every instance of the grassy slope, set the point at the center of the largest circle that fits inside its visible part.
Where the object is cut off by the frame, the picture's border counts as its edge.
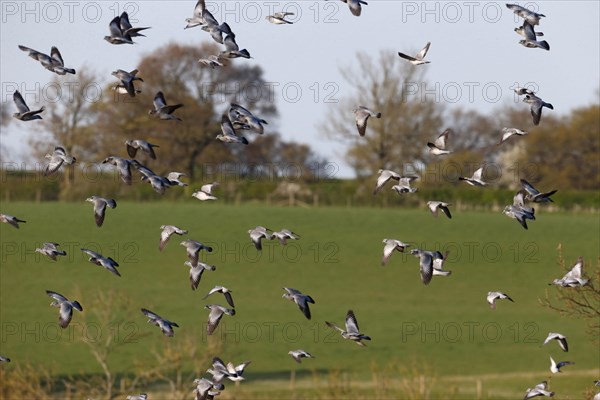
(336, 262)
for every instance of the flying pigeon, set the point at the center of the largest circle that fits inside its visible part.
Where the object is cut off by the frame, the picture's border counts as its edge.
(107, 262)
(134, 145)
(562, 340)
(534, 195)
(66, 307)
(57, 159)
(384, 176)
(100, 207)
(9, 219)
(434, 206)
(162, 111)
(226, 292)
(215, 315)
(24, 114)
(284, 235)
(278, 18)
(510, 132)
(127, 79)
(555, 367)
(541, 389)
(403, 185)
(392, 245)
(300, 299)
(438, 147)
(165, 325)
(493, 296)
(536, 104)
(417, 59)
(205, 192)
(51, 250)
(166, 232)
(361, 116)
(352, 331)
(258, 234)
(193, 250)
(529, 16)
(196, 271)
(299, 354)
(475, 180)
(228, 134)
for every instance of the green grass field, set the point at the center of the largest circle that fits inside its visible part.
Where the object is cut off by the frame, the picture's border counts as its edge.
(446, 326)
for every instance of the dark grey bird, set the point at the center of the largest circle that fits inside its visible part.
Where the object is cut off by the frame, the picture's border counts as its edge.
(300, 299)
(361, 116)
(129, 30)
(278, 18)
(403, 185)
(284, 235)
(493, 296)
(541, 389)
(355, 6)
(42, 58)
(9, 219)
(521, 32)
(25, 114)
(561, 339)
(529, 16)
(518, 210)
(193, 249)
(384, 176)
(51, 250)
(392, 245)
(158, 183)
(216, 31)
(196, 19)
(530, 40)
(106, 262)
(117, 35)
(507, 133)
(4, 359)
(232, 50)
(241, 118)
(258, 234)
(435, 206)
(555, 367)
(196, 272)
(66, 307)
(123, 167)
(127, 79)
(215, 315)
(352, 331)
(226, 292)
(53, 62)
(535, 195)
(230, 371)
(418, 59)
(299, 354)
(166, 232)
(426, 259)
(476, 179)
(57, 159)
(165, 325)
(163, 111)
(228, 134)
(134, 145)
(438, 147)
(100, 204)
(536, 104)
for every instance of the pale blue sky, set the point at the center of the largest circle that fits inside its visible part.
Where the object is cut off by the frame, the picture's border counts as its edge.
(475, 56)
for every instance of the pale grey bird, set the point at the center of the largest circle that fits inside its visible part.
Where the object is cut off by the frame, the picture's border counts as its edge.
(573, 278)
(476, 179)
(163, 111)
(226, 292)
(438, 147)
(425, 263)
(284, 235)
(561, 339)
(57, 159)
(299, 354)
(127, 79)
(241, 118)
(529, 16)
(300, 299)
(535, 195)
(493, 296)
(278, 18)
(510, 132)
(518, 210)
(418, 59)
(66, 307)
(232, 50)
(216, 31)
(521, 32)
(536, 104)
(54, 62)
(541, 389)
(228, 134)
(555, 367)
(158, 183)
(174, 177)
(129, 30)
(205, 192)
(212, 61)
(166, 232)
(9, 219)
(230, 371)
(193, 249)
(196, 19)
(117, 35)
(355, 6)
(215, 315)
(438, 263)
(165, 325)
(24, 114)
(206, 389)
(258, 234)
(384, 176)
(138, 144)
(196, 271)
(435, 206)
(4, 359)
(403, 185)
(51, 250)
(361, 116)
(123, 167)
(141, 396)
(352, 331)
(106, 262)
(530, 40)
(392, 245)
(43, 58)
(100, 205)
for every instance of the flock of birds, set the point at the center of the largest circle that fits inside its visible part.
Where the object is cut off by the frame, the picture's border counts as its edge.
(238, 118)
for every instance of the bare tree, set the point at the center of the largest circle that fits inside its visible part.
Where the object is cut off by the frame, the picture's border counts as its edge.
(387, 85)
